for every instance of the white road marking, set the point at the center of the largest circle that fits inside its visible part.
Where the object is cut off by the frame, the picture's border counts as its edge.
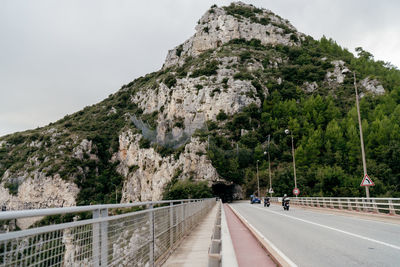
(333, 229)
(289, 261)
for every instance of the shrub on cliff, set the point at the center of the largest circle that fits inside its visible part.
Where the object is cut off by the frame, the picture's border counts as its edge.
(188, 189)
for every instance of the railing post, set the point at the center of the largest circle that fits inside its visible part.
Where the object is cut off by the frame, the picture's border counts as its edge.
(151, 227)
(104, 238)
(183, 218)
(364, 204)
(391, 208)
(96, 239)
(340, 204)
(376, 210)
(171, 224)
(358, 204)
(349, 206)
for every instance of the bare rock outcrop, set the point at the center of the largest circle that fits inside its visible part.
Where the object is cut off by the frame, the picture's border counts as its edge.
(39, 191)
(147, 173)
(217, 27)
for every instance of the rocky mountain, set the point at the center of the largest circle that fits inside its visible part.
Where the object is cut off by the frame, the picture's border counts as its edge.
(205, 116)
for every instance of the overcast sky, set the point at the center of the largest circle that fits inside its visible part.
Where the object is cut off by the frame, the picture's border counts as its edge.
(57, 57)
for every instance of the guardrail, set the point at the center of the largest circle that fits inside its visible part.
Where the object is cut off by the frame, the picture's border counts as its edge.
(377, 205)
(139, 238)
(215, 249)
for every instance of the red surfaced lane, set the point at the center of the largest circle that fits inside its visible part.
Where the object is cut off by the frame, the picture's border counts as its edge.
(248, 251)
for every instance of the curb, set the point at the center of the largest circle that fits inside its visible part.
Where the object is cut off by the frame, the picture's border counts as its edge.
(278, 257)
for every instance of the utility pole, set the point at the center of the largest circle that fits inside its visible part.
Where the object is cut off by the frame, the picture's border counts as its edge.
(361, 135)
(269, 166)
(258, 181)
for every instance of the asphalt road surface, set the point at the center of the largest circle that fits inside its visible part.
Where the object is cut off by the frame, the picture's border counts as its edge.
(312, 238)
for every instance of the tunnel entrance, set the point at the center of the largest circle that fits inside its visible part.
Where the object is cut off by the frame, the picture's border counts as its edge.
(224, 192)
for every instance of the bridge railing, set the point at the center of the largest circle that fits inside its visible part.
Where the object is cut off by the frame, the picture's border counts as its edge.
(377, 205)
(136, 238)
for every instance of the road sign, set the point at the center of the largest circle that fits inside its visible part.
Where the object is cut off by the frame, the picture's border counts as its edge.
(367, 181)
(271, 191)
(296, 191)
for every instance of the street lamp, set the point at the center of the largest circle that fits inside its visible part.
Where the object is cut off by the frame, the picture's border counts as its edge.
(258, 181)
(294, 161)
(116, 196)
(360, 128)
(269, 166)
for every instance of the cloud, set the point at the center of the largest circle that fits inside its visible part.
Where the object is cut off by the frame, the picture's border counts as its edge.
(60, 56)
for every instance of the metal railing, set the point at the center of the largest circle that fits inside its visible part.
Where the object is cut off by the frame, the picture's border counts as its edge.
(139, 238)
(377, 205)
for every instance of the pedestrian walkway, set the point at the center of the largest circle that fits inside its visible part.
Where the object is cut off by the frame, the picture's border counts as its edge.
(248, 251)
(193, 251)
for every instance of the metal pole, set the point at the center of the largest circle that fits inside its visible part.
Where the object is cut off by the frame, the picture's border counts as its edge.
(361, 135)
(104, 239)
(116, 195)
(294, 162)
(269, 164)
(258, 182)
(151, 228)
(269, 168)
(96, 239)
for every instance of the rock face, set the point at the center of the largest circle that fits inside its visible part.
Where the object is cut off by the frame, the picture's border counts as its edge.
(193, 106)
(217, 27)
(338, 74)
(39, 192)
(147, 172)
(372, 86)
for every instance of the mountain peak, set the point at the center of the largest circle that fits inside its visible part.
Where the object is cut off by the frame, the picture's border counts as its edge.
(220, 25)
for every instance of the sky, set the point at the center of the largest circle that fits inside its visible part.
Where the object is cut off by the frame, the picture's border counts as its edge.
(56, 57)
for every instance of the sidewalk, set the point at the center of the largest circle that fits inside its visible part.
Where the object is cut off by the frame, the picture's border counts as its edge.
(193, 251)
(248, 251)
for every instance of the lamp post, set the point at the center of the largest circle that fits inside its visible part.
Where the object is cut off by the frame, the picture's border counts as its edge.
(258, 182)
(294, 161)
(269, 166)
(116, 195)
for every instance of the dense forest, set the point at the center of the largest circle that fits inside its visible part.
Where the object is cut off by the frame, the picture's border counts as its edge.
(324, 126)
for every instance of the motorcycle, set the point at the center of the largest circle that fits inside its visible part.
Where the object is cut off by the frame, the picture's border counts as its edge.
(266, 202)
(286, 204)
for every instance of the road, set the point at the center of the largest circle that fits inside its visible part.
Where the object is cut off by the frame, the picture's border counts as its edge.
(312, 238)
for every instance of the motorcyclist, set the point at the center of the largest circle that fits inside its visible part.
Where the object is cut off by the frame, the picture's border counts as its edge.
(283, 199)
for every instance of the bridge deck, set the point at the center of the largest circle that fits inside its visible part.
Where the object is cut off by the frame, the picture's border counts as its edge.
(193, 251)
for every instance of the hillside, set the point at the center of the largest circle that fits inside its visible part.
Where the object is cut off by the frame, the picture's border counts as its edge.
(203, 120)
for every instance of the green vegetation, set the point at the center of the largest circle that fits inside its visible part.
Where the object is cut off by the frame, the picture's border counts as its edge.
(179, 50)
(170, 81)
(221, 116)
(209, 69)
(187, 189)
(324, 126)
